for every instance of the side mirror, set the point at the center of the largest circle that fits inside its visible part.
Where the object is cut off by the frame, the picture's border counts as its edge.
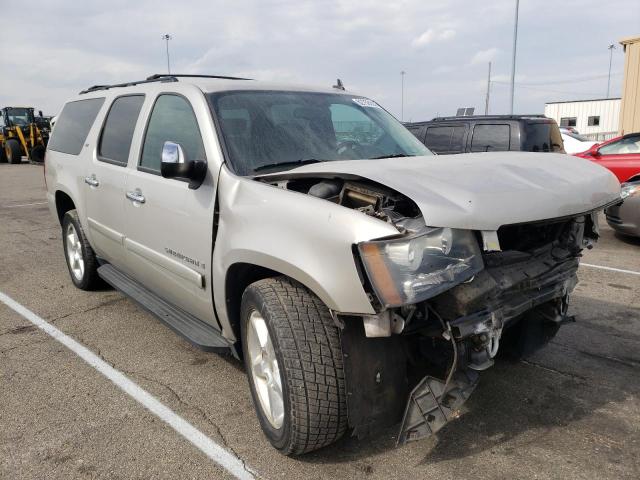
(40, 113)
(175, 165)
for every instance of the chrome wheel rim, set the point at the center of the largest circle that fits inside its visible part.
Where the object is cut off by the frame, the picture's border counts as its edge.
(74, 252)
(265, 371)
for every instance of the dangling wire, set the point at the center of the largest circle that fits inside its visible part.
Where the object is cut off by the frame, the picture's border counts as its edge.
(446, 326)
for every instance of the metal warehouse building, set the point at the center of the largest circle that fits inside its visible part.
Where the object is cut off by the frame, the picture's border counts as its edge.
(596, 119)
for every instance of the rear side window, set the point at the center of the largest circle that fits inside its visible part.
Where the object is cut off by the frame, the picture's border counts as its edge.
(73, 125)
(117, 132)
(446, 139)
(457, 139)
(491, 138)
(172, 120)
(438, 139)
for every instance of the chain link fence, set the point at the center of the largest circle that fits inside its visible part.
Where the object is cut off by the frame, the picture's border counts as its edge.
(600, 136)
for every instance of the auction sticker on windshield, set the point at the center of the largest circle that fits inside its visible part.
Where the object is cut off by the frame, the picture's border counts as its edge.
(365, 102)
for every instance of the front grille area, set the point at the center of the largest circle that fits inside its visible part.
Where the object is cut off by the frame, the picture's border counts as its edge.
(528, 237)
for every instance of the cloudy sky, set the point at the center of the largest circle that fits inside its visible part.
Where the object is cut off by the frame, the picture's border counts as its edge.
(52, 49)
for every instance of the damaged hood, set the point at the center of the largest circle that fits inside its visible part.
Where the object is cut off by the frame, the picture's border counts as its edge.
(483, 191)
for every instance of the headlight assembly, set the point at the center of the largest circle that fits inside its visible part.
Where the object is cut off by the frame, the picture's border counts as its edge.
(630, 190)
(412, 269)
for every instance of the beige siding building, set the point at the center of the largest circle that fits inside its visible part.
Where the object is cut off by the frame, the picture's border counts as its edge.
(630, 106)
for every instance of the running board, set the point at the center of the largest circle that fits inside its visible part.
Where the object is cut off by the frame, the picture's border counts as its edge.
(197, 332)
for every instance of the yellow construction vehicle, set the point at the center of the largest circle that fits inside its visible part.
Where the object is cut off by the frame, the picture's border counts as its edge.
(22, 135)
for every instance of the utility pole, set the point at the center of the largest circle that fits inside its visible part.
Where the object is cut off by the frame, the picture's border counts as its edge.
(486, 101)
(611, 48)
(402, 74)
(166, 37)
(513, 58)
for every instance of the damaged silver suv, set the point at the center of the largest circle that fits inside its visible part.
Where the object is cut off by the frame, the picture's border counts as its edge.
(363, 281)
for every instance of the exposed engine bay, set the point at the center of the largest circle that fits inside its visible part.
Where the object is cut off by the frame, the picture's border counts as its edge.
(364, 196)
(432, 350)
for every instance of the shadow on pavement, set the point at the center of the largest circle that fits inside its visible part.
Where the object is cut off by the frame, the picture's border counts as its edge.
(629, 240)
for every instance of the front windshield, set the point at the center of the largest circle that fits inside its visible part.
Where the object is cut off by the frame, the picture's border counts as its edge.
(19, 116)
(268, 131)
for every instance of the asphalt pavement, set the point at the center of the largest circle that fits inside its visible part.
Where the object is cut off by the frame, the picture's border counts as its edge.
(570, 411)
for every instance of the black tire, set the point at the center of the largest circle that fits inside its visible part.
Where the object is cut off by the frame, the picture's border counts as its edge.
(307, 346)
(37, 154)
(13, 151)
(89, 279)
(3, 155)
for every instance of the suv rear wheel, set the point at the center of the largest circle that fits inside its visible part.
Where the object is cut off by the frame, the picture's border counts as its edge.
(81, 259)
(294, 363)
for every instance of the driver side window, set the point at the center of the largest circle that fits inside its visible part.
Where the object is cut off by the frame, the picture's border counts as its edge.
(172, 120)
(625, 145)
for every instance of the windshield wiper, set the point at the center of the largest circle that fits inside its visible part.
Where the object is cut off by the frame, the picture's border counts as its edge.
(287, 164)
(395, 155)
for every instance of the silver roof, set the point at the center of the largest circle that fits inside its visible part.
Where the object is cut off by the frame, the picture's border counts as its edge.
(210, 85)
(206, 85)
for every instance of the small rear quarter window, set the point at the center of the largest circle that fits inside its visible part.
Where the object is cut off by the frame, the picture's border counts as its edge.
(542, 137)
(73, 125)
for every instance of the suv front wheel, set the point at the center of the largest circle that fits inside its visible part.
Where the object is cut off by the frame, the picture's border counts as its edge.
(294, 363)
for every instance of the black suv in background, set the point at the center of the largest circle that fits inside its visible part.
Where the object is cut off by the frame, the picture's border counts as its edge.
(489, 133)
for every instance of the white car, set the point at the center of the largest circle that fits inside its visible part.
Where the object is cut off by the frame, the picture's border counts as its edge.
(575, 143)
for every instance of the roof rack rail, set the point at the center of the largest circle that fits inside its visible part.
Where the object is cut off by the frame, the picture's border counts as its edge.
(193, 75)
(128, 84)
(158, 77)
(488, 117)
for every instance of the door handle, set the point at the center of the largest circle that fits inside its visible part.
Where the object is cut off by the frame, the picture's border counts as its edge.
(135, 196)
(92, 181)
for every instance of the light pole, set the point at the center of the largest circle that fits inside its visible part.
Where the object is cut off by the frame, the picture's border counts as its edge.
(513, 58)
(402, 74)
(611, 48)
(486, 100)
(167, 37)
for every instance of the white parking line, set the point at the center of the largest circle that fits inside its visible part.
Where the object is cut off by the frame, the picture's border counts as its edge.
(23, 205)
(211, 449)
(611, 269)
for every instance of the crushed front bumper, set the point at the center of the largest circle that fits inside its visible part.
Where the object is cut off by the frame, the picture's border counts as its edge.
(458, 333)
(507, 292)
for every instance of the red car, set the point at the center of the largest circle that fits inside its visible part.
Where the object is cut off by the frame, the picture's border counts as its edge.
(621, 155)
